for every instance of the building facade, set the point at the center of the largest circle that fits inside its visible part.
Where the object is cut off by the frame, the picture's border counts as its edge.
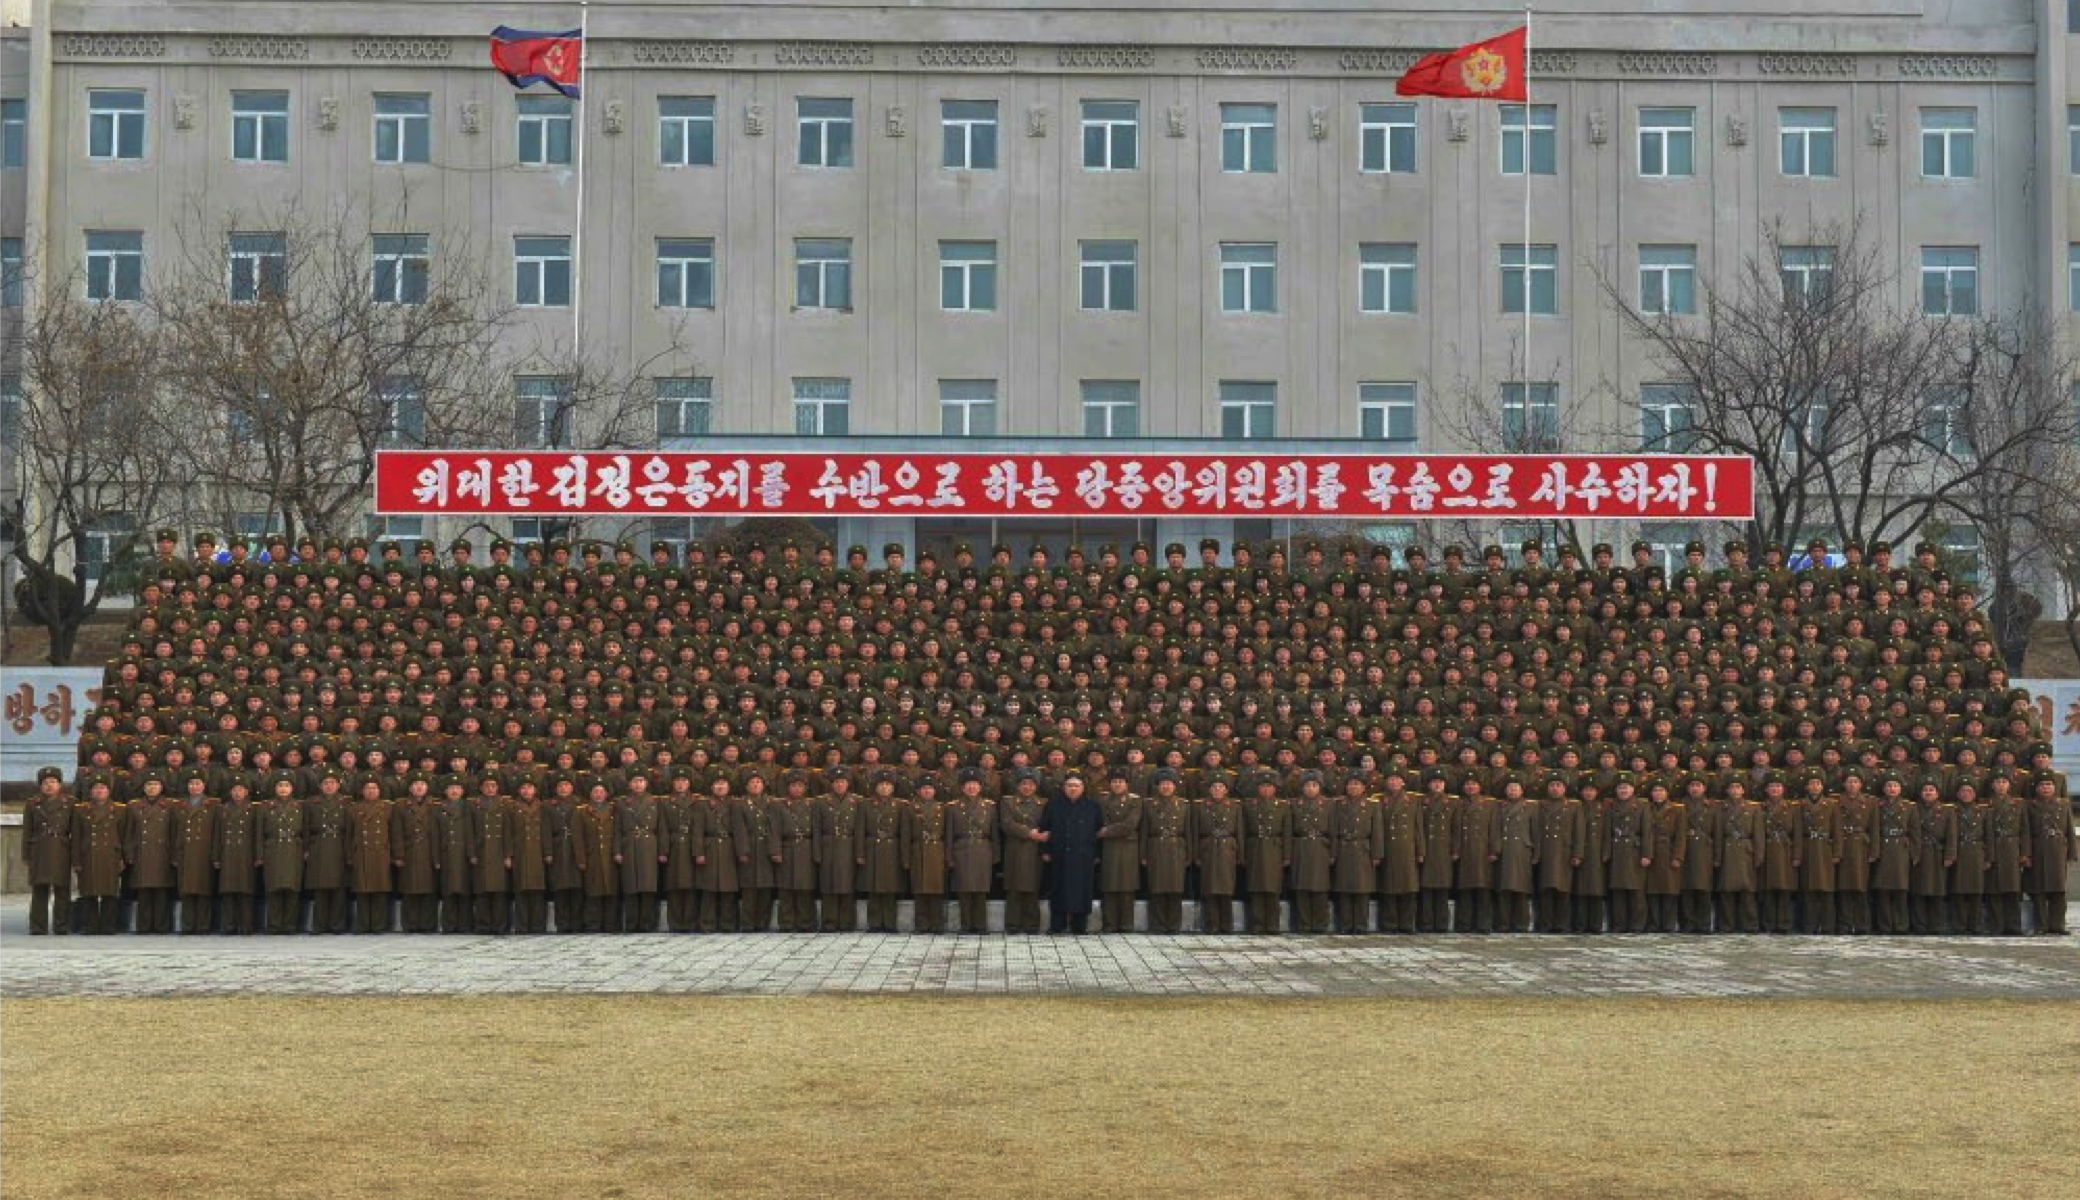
(1031, 222)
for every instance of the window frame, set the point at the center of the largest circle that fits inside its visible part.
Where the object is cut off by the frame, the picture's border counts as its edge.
(977, 409)
(1528, 400)
(1675, 280)
(1243, 135)
(1386, 274)
(691, 261)
(1093, 401)
(1807, 137)
(1536, 127)
(547, 424)
(979, 136)
(1108, 128)
(1665, 138)
(975, 278)
(1258, 280)
(687, 128)
(1240, 398)
(112, 262)
(1529, 270)
(402, 412)
(836, 134)
(408, 130)
(543, 262)
(13, 271)
(545, 119)
(1950, 143)
(1377, 125)
(697, 397)
(1816, 277)
(1657, 401)
(1373, 398)
(260, 136)
(836, 263)
(122, 124)
(14, 133)
(1966, 269)
(818, 409)
(408, 256)
(1092, 265)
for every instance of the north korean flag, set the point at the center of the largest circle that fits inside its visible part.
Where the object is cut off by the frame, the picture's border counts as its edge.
(529, 56)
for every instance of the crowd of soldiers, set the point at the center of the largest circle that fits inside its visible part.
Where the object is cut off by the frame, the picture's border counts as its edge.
(580, 738)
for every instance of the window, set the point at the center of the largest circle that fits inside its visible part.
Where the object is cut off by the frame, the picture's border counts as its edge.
(686, 131)
(685, 406)
(685, 273)
(544, 130)
(10, 410)
(1249, 138)
(1805, 141)
(1667, 143)
(1111, 135)
(1668, 280)
(1387, 277)
(825, 132)
(1530, 282)
(256, 527)
(14, 133)
(542, 271)
(1666, 416)
(968, 408)
(1387, 139)
(404, 128)
(1807, 272)
(2073, 139)
(1249, 409)
(1108, 275)
(10, 272)
(403, 263)
(401, 411)
(1946, 429)
(1249, 277)
(1808, 428)
(541, 411)
(115, 124)
(823, 273)
(968, 135)
(1950, 281)
(968, 276)
(108, 538)
(259, 266)
(260, 127)
(1961, 553)
(1387, 413)
(1947, 137)
(823, 407)
(541, 529)
(2072, 274)
(1538, 124)
(1111, 408)
(1531, 417)
(115, 266)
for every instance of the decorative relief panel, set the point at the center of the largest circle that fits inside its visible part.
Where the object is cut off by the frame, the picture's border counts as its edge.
(969, 54)
(1599, 127)
(105, 45)
(613, 116)
(1552, 62)
(259, 47)
(1036, 121)
(1841, 65)
(184, 112)
(1378, 62)
(1457, 125)
(1736, 131)
(1106, 58)
(328, 113)
(403, 49)
(472, 117)
(685, 53)
(1668, 64)
(1247, 58)
(824, 54)
(754, 119)
(897, 121)
(1968, 66)
(1180, 120)
(1318, 123)
(1881, 128)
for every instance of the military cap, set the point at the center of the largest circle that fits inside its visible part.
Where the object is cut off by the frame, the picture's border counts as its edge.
(1855, 544)
(1601, 548)
(168, 535)
(1173, 548)
(205, 538)
(1736, 547)
(1816, 544)
(1641, 547)
(1166, 775)
(1925, 548)
(660, 547)
(1454, 552)
(459, 544)
(44, 773)
(1310, 776)
(1412, 553)
(1531, 546)
(971, 775)
(1693, 548)
(892, 548)
(1213, 544)
(999, 548)
(1881, 546)
(856, 548)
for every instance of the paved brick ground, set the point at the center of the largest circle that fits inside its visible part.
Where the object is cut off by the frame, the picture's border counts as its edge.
(1137, 965)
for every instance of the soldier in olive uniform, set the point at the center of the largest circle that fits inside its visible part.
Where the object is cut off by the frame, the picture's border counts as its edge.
(1480, 849)
(1218, 848)
(532, 859)
(2052, 848)
(1379, 844)
(599, 858)
(1783, 846)
(1822, 859)
(566, 881)
(1019, 817)
(194, 864)
(839, 816)
(1561, 834)
(415, 841)
(716, 875)
(1517, 855)
(148, 851)
(684, 815)
(1311, 855)
(237, 855)
(924, 857)
(1935, 826)
(282, 841)
(794, 877)
(758, 852)
(1440, 851)
(1629, 857)
(636, 840)
(1968, 876)
(1668, 836)
(1897, 850)
(971, 838)
(1740, 861)
(2007, 833)
(1268, 835)
(491, 859)
(1705, 826)
(1119, 855)
(884, 832)
(458, 841)
(369, 858)
(97, 858)
(1592, 877)
(47, 847)
(1856, 815)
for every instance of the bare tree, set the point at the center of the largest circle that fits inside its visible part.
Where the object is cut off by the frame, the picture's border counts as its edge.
(304, 349)
(95, 456)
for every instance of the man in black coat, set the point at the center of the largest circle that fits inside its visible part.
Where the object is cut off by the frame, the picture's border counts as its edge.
(1069, 847)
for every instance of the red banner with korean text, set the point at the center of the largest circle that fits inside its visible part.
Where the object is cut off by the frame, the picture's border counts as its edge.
(800, 484)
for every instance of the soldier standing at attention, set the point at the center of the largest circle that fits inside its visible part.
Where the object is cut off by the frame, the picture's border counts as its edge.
(716, 877)
(1740, 860)
(1935, 826)
(2007, 855)
(838, 817)
(1668, 835)
(458, 841)
(1856, 815)
(884, 831)
(1217, 846)
(1968, 877)
(794, 823)
(1783, 842)
(194, 847)
(2052, 847)
(925, 854)
(1516, 864)
(237, 856)
(97, 855)
(1313, 818)
(531, 860)
(491, 858)
(1166, 851)
(1400, 857)
(1629, 858)
(283, 838)
(1020, 815)
(559, 825)
(1561, 837)
(1440, 849)
(1822, 855)
(148, 849)
(415, 841)
(636, 840)
(369, 858)
(1363, 855)
(1705, 827)
(684, 818)
(1592, 877)
(47, 848)
(758, 852)
(971, 836)
(599, 857)
(1898, 848)
(1119, 865)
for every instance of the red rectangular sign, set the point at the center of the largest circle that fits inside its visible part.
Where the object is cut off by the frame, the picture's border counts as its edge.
(794, 483)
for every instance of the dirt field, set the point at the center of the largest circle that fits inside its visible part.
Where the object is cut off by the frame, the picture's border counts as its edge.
(637, 1097)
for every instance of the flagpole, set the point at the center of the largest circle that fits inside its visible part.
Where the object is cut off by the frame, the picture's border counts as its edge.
(1525, 374)
(578, 238)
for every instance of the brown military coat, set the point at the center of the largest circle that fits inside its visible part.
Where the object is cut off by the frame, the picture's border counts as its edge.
(283, 836)
(148, 844)
(1705, 827)
(194, 847)
(715, 821)
(2051, 844)
(924, 846)
(1935, 827)
(1312, 842)
(593, 828)
(559, 821)
(1119, 842)
(637, 838)
(1394, 846)
(1627, 844)
(2007, 834)
(1268, 830)
(752, 832)
(415, 840)
(368, 846)
(1740, 846)
(1517, 844)
(237, 847)
(1480, 842)
(491, 844)
(971, 837)
(1668, 835)
(1217, 844)
(1823, 842)
(1968, 874)
(884, 830)
(97, 847)
(1562, 837)
(1018, 816)
(530, 846)
(458, 842)
(1783, 843)
(1898, 846)
(1856, 820)
(685, 821)
(47, 839)
(837, 818)
(1440, 838)
(794, 827)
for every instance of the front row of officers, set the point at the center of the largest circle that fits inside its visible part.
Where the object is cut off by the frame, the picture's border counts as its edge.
(607, 853)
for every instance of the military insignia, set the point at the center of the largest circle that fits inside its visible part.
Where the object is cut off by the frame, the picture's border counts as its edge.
(1484, 72)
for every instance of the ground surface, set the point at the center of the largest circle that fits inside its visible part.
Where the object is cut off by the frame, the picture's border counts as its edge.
(671, 1096)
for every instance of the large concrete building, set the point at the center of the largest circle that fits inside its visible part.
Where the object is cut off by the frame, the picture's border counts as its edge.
(1028, 221)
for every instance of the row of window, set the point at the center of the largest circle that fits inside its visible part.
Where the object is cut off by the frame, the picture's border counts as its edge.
(1110, 134)
(1107, 274)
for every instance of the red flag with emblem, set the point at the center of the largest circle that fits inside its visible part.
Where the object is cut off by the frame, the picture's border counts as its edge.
(1490, 70)
(528, 56)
